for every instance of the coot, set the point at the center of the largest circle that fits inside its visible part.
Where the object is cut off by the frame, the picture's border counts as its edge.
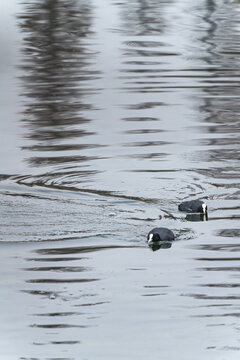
(160, 234)
(193, 206)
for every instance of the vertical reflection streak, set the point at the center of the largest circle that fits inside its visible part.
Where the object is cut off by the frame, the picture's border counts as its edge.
(56, 79)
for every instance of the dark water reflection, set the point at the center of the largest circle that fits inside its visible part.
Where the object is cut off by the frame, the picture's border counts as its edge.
(56, 80)
(112, 114)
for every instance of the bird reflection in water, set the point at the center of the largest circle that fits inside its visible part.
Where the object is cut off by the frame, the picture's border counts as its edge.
(160, 245)
(197, 217)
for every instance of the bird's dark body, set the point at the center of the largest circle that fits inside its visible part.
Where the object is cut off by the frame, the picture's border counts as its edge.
(161, 234)
(193, 206)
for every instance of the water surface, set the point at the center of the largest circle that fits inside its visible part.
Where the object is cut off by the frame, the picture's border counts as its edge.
(111, 113)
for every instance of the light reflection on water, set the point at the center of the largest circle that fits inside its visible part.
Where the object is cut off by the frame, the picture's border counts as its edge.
(126, 109)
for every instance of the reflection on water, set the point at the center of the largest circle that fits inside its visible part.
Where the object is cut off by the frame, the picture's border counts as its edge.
(55, 82)
(127, 109)
(197, 217)
(160, 245)
(144, 18)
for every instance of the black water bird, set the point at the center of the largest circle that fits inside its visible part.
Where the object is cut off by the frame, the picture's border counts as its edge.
(193, 206)
(160, 234)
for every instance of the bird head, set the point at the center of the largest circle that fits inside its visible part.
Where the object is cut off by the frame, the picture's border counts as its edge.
(204, 208)
(153, 238)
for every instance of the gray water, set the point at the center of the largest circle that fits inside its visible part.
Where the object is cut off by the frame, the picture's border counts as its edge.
(111, 114)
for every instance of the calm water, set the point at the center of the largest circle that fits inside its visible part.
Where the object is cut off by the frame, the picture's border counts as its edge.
(111, 113)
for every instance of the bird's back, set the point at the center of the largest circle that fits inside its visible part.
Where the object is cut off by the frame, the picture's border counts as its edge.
(164, 233)
(190, 206)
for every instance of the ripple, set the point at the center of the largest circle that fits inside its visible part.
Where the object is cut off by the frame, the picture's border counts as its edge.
(140, 118)
(59, 281)
(145, 105)
(77, 250)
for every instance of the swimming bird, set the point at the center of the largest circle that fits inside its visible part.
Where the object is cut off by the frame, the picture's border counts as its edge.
(193, 206)
(160, 234)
